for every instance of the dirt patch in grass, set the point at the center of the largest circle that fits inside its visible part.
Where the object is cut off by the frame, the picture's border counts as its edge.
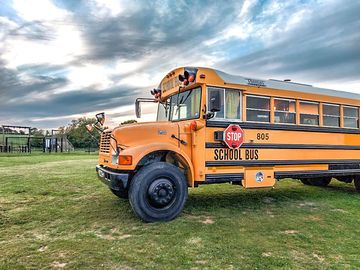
(307, 204)
(58, 265)
(42, 248)
(208, 220)
(339, 210)
(269, 200)
(266, 254)
(291, 232)
(314, 218)
(194, 241)
(318, 257)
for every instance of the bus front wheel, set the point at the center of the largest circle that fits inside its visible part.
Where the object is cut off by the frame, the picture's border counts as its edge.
(158, 192)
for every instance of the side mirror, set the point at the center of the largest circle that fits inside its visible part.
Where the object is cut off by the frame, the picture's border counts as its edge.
(100, 117)
(137, 108)
(214, 101)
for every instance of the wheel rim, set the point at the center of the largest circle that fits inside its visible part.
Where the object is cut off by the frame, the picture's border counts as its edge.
(161, 193)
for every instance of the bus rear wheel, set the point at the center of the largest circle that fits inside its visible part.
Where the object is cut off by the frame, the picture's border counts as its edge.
(320, 182)
(158, 192)
(305, 181)
(357, 183)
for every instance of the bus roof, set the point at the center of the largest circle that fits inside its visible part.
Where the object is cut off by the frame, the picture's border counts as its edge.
(284, 85)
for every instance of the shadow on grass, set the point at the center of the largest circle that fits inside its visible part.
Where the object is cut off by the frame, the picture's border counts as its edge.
(212, 198)
(237, 197)
(348, 188)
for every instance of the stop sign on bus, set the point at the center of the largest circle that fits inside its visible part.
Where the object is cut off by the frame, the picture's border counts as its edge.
(233, 136)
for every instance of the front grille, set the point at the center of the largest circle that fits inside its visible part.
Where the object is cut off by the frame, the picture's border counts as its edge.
(105, 142)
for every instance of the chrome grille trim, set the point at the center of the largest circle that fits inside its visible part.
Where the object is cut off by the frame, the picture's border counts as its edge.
(105, 142)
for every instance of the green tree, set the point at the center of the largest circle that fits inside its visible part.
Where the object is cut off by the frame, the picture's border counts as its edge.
(37, 132)
(78, 135)
(129, 122)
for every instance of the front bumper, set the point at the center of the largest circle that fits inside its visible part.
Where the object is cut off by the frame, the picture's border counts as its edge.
(114, 180)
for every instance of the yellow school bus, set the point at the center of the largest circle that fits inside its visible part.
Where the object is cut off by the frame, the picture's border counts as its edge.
(213, 127)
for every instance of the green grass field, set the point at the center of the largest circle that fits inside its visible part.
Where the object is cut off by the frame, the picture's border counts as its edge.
(55, 214)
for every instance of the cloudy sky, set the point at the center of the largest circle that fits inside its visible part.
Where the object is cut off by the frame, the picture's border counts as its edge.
(63, 59)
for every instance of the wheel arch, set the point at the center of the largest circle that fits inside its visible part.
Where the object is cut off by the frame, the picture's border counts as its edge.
(170, 156)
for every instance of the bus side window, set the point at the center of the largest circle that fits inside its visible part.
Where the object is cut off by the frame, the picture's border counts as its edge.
(309, 113)
(285, 111)
(331, 115)
(212, 92)
(351, 117)
(230, 103)
(258, 109)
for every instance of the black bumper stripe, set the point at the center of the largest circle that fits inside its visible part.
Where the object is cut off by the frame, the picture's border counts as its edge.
(222, 178)
(287, 146)
(317, 173)
(252, 163)
(263, 126)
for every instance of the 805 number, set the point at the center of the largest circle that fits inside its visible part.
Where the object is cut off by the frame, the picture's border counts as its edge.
(262, 136)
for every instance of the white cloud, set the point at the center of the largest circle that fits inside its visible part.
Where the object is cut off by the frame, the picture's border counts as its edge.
(39, 10)
(112, 8)
(275, 17)
(65, 47)
(108, 7)
(63, 44)
(141, 80)
(349, 86)
(89, 75)
(6, 24)
(124, 67)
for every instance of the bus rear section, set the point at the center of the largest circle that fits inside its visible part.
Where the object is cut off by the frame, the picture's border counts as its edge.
(283, 136)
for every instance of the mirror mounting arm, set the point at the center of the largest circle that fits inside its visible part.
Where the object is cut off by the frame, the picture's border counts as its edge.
(99, 129)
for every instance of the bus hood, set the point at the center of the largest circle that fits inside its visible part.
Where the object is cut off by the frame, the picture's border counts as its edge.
(146, 133)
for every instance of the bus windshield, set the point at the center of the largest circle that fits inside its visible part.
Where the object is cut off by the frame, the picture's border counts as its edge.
(186, 105)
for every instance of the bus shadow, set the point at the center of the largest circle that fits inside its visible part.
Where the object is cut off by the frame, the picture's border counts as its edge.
(348, 188)
(259, 198)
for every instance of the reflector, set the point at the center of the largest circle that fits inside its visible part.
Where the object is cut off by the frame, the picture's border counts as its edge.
(125, 160)
(193, 125)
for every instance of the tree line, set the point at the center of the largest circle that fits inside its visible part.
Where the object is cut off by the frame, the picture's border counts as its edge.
(75, 132)
(78, 135)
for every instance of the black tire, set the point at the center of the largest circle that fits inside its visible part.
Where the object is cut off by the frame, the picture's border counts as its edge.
(158, 192)
(357, 183)
(320, 182)
(123, 194)
(305, 181)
